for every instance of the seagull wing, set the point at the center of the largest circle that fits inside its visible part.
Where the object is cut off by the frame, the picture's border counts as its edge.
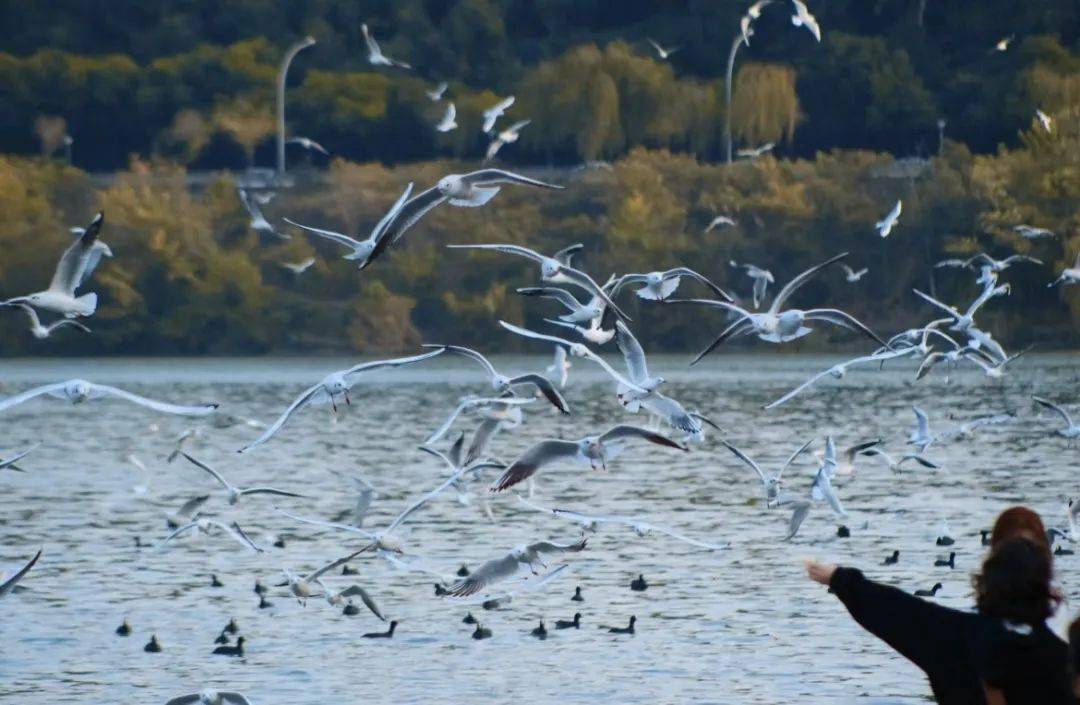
(633, 353)
(583, 280)
(230, 697)
(327, 524)
(410, 213)
(686, 539)
(441, 430)
(921, 421)
(792, 286)
(188, 699)
(746, 459)
(269, 490)
(339, 238)
(491, 572)
(237, 534)
(800, 509)
(490, 177)
(10, 462)
(506, 249)
(549, 547)
(564, 255)
(534, 459)
(395, 362)
(213, 473)
(50, 389)
(1047, 404)
(9, 584)
(188, 508)
(626, 432)
(944, 307)
(369, 602)
(546, 388)
(72, 264)
(333, 564)
(481, 438)
(798, 390)
(425, 499)
(844, 319)
(687, 272)
(300, 402)
(469, 353)
(791, 459)
(553, 292)
(163, 407)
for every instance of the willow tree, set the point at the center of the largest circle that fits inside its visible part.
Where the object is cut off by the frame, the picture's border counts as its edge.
(246, 119)
(765, 106)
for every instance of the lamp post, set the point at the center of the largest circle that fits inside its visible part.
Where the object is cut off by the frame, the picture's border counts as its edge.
(940, 136)
(68, 142)
(289, 56)
(727, 93)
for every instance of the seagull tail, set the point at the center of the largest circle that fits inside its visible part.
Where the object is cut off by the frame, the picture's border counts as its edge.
(87, 304)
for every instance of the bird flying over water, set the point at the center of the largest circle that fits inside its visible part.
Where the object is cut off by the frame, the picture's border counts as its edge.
(78, 391)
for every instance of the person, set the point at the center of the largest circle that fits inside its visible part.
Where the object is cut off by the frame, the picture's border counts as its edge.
(960, 651)
(1074, 657)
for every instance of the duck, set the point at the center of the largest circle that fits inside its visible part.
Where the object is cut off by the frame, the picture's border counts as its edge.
(638, 584)
(346, 570)
(481, 632)
(389, 633)
(214, 582)
(943, 563)
(279, 542)
(468, 619)
(350, 610)
(985, 537)
(153, 646)
(237, 650)
(264, 603)
(232, 627)
(893, 559)
(260, 589)
(463, 571)
(578, 597)
(124, 629)
(628, 629)
(540, 632)
(932, 592)
(842, 532)
(222, 638)
(945, 541)
(568, 624)
(492, 604)
(1062, 551)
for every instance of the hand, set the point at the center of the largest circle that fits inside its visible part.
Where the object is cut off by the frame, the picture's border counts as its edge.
(820, 572)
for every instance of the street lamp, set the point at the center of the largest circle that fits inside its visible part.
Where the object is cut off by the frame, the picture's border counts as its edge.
(289, 56)
(940, 136)
(739, 40)
(68, 142)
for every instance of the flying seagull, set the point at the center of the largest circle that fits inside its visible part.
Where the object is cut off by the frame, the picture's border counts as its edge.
(1032, 233)
(10, 462)
(762, 278)
(1069, 275)
(41, 332)
(495, 112)
(770, 484)
(210, 697)
(502, 384)
(331, 386)
(1071, 430)
(436, 93)
(803, 18)
(663, 52)
(505, 137)
(851, 275)
(308, 144)
(69, 276)
(300, 267)
(658, 286)
(720, 220)
(78, 391)
(886, 224)
(206, 526)
(448, 121)
(258, 221)
(375, 55)
(499, 569)
(755, 152)
(235, 493)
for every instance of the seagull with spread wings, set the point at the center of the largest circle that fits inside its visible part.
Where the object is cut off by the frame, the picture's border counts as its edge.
(235, 493)
(499, 569)
(78, 391)
(658, 286)
(770, 484)
(375, 55)
(1071, 430)
(495, 112)
(502, 384)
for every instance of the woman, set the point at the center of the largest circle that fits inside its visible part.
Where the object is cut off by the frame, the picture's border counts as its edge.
(959, 651)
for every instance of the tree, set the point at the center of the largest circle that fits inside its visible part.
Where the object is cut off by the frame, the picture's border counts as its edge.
(765, 106)
(246, 119)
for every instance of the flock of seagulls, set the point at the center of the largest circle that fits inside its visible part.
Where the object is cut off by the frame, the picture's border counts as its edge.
(503, 399)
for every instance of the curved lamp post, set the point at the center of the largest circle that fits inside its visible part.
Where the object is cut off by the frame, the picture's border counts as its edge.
(289, 56)
(727, 92)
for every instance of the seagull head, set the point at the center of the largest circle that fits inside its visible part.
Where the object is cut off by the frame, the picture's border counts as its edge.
(449, 185)
(549, 268)
(77, 391)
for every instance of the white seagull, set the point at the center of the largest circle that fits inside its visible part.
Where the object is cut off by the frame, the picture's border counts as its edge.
(839, 370)
(10, 462)
(1045, 120)
(207, 525)
(364, 251)
(803, 18)
(578, 312)
(258, 221)
(770, 484)
(300, 267)
(662, 52)
(308, 144)
(1030, 232)
(499, 569)
(719, 220)
(42, 332)
(1069, 275)
(559, 369)
(898, 465)
(302, 586)
(495, 112)
(470, 403)
(920, 435)
(78, 391)
(69, 276)
(594, 451)
(436, 93)
(658, 286)
(235, 493)
(886, 224)
(1071, 430)
(762, 278)
(331, 386)
(852, 275)
(210, 697)
(755, 152)
(502, 384)
(449, 118)
(507, 136)
(375, 55)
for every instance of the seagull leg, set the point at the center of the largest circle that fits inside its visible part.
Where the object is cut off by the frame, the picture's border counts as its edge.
(347, 400)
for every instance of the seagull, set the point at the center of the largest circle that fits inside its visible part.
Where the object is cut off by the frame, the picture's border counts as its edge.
(983, 261)
(658, 286)
(578, 312)
(559, 369)
(762, 278)
(966, 429)
(460, 466)
(850, 453)
(495, 112)
(637, 366)
(591, 450)
(803, 18)
(769, 485)
(507, 136)
(235, 493)
(776, 326)
(1045, 120)
(40, 331)
(576, 350)
(461, 190)
(68, 277)
(852, 275)
(364, 251)
(188, 511)
(640, 527)
(502, 384)
(1003, 44)
(499, 569)
(10, 462)
(300, 267)
(448, 119)
(838, 371)
(720, 220)
(436, 93)
(552, 271)
(886, 224)
(595, 333)
(966, 320)
(78, 391)
(1071, 430)
(206, 525)
(898, 465)
(308, 144)
(375, 55)
(302, 586)
(482, 404)
(920, 435)
(339, 597)
(1032, 233)
(98, 250)
(210, 697)
(329, 387)
(258, 221)
(755, 152)
(8, 582)
(1069, 275)
(661, 51)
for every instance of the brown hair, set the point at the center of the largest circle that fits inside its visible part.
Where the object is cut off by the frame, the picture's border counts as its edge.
(1019, 522)
(1014, 583)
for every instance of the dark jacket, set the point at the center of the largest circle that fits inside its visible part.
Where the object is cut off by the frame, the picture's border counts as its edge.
(957, 650)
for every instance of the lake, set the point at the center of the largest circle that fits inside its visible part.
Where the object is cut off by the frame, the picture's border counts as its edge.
(736, 626)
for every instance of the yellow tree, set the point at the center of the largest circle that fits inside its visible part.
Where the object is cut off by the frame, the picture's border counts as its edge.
(765, 106)
(247, 119)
